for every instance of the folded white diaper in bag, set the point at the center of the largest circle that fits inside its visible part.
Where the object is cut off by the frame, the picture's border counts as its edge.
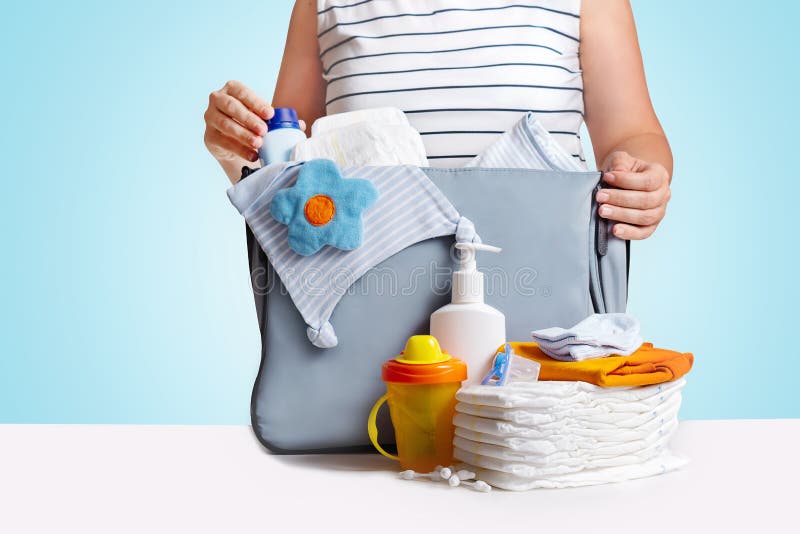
(387, 115)
(379, 136)
(597, 336)
(363, 144)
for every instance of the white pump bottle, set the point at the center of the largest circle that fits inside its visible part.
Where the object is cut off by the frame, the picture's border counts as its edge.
(468, 328)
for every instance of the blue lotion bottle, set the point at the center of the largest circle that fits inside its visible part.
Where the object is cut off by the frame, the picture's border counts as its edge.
(283, 132)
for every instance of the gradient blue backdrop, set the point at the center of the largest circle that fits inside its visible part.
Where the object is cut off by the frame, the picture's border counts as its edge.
(125, 295)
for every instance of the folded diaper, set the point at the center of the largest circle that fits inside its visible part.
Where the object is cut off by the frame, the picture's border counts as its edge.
(386, 116)
(597, 336)
(528, 145)
(573, 445)
(409, 209)
(569, 461)
(570, 427)
(590, 418)
(362, 143)
(530, 465)
(660, 464)
(555, 396)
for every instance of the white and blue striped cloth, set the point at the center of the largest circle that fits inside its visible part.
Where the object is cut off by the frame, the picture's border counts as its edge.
(528, 145)
(409, 209)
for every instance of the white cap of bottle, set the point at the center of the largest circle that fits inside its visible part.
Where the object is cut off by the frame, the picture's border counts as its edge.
(468, 280)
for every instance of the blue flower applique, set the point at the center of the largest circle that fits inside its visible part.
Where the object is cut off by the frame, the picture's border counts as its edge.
(323, 208)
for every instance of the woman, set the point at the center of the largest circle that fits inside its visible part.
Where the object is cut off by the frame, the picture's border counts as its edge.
(464, 75)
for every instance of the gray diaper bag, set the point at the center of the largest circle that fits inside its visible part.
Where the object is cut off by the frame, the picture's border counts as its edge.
(559, 264)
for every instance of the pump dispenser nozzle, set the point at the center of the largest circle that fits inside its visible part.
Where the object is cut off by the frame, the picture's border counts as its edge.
(467, 280)
(468, 328)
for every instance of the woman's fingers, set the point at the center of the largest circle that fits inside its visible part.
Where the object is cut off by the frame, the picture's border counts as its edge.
(230, 128)
(223, 145)
(650, 178)
(635, 181)
(640, 200)
(647, 217)
(249, 98)
(236, 110)
(626, 231)
(638, 196)
(639, 204)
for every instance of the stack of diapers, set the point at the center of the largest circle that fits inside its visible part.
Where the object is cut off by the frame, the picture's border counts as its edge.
(559, 434)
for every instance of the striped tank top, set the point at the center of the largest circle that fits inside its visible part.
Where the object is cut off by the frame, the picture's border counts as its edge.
(463, 72)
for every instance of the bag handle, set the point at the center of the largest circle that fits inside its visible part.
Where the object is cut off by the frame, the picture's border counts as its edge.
(372, 428)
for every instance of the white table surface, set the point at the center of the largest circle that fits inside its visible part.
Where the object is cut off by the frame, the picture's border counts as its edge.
(62, 478)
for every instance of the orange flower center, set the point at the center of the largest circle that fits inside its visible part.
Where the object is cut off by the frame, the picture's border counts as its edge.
(319, 210)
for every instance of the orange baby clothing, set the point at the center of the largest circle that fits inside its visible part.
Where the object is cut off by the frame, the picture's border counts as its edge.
(648, 365)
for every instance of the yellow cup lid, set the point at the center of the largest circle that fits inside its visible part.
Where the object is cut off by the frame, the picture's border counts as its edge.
(422, 350)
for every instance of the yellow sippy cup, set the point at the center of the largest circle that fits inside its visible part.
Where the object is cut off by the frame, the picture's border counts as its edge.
(421, 387)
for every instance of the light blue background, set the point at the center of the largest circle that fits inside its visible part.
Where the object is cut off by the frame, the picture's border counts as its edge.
(125, 294)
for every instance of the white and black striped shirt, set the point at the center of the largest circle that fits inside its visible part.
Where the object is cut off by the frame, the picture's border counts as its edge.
(463, 71)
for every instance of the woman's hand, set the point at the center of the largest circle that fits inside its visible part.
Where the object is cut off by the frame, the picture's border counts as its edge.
(621, 120)
(235, 123)
(638, 198)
